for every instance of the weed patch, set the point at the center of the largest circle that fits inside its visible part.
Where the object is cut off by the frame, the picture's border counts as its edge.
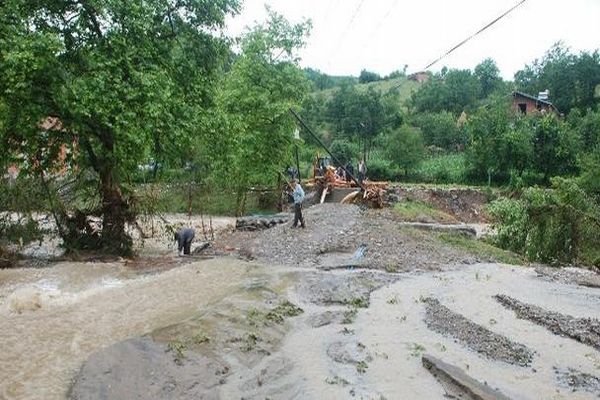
(480, 248)
(417, 211)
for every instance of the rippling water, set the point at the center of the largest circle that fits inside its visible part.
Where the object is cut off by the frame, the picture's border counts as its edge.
(52, 319)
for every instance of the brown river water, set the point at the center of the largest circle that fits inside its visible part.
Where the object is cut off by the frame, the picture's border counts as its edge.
(52, 319)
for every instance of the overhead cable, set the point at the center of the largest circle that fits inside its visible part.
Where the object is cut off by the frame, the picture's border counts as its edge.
(475, 34)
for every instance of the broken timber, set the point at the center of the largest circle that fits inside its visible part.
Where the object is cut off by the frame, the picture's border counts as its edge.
(459, 381)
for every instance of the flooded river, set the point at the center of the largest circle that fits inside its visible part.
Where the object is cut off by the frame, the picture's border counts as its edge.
(52, 319)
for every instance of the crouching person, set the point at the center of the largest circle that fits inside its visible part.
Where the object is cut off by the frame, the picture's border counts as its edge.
(184, 238)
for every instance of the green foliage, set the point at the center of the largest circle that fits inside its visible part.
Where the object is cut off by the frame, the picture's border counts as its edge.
(122, 79)
(282, 311)
(549, 225)
(488, 74)
(494, 148)
(263, 84)
(344, 151)
(405, 147)
(454, 92)
(445, 168)
(571, 78)
(555, 146)
(417, 211)
(511, 229)
(480, 248)
(368, 76)
(587, 127)
(19, 200)
(439, 129)
(503, 146)
(589, 179)
(323, 81)
(381, 169)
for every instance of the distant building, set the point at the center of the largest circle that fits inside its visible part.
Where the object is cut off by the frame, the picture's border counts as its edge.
(420, 77)
(527, 104)
(61, 163)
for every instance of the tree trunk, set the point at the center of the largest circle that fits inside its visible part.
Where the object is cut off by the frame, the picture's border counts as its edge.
(115, 214)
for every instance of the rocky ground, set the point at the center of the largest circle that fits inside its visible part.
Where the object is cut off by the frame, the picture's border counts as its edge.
(584, 330)
(335, 232)
(497, 347)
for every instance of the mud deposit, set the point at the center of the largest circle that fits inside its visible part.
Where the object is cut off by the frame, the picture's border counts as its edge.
(584, 330)
(497, 347)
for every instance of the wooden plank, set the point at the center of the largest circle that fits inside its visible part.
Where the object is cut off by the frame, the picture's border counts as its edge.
(459, 380)
(323, 194)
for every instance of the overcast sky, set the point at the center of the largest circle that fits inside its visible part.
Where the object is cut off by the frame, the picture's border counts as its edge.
(384, 35)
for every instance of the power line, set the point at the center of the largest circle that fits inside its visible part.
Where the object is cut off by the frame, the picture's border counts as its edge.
(504, 14)
(341, 38)
(380, 23)
(475, 34)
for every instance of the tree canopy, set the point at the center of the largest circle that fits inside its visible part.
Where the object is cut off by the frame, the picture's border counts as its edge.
(121, 79)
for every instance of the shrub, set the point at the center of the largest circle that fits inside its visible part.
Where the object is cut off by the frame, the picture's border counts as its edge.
(405, 147)
(550, 225)
(440, 129)
(380, 169)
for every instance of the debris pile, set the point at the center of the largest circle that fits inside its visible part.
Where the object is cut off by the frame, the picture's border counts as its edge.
(258, 222)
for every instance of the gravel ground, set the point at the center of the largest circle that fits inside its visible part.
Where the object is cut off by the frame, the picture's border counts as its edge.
(350, 288)
(570, 275)
(584, 330)
(333, 234)
(577, 380)
(497, 347)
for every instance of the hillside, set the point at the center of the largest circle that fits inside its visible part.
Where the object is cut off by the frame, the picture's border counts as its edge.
(404, 86)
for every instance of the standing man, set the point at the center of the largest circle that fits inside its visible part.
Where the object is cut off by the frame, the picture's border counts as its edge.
(184, 239)
(298, 195)
(362, 171)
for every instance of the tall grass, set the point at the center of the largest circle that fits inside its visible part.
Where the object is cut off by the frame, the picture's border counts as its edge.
(446, 168)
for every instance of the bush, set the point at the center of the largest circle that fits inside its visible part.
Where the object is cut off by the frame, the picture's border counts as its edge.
(440, 129)
(555, 225)
(511, 226)
(380, 169)
(405, 148)
(590, 172)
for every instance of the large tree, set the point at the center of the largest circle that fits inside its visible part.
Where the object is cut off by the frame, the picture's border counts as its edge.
(257, 93)
(124, 79)
(453, 90)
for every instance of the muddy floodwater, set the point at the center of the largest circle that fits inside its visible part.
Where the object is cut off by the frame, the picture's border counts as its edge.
(54, 318)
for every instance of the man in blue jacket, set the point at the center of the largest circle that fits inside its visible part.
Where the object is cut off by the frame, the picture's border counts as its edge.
(298, 195)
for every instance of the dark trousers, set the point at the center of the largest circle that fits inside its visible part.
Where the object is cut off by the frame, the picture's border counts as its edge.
(298, 215)
(187, 247)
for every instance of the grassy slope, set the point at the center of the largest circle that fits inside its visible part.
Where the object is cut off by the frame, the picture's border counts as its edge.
(404, 87)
